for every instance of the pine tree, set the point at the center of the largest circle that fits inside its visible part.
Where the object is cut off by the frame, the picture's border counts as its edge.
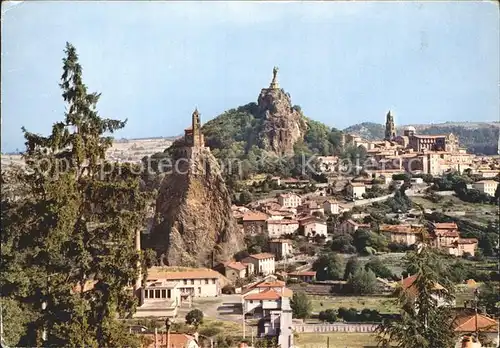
(76, 227)
(424, 323)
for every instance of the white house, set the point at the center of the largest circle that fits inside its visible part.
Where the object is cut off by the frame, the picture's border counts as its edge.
(486, 186)
(289, 200)
(159, 298)
(263, 263)
(331, 207)
(355, 190)
(277, 228)
(350, 226)
(281, 247)
(315, 227)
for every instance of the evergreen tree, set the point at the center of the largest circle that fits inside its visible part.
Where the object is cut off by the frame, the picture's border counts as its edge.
(301, 305)
(69, 239)
(423, 323)
(351, 267)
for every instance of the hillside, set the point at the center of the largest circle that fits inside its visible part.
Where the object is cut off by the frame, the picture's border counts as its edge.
(477, 137)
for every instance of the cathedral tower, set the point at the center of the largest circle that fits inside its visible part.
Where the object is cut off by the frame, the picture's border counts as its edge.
(390, 128)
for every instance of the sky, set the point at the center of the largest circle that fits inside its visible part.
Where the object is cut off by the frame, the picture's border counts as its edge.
(342, 62)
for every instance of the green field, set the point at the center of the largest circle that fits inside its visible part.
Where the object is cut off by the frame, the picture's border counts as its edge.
(380, 303)
(337, 340)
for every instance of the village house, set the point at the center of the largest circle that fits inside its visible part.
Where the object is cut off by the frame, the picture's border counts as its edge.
(263, 263)
(331, 207)
(486, 186)
(327, 163)
(289, 200)
(269, 300)
(355, 190)
(304, 276)
(314, 227)
(277, 228)
(401, 234)
(438, 291)
(254, 222)
(466, 324)
(350, 226)
(175, 340)
(445, 236)
(234, 270)
(295, 183)
(281, 248)
(309, 208)
(193, 283)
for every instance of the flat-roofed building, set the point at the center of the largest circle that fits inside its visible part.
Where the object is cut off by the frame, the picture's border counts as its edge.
(192, 283)
(486, 186)
(159, 298)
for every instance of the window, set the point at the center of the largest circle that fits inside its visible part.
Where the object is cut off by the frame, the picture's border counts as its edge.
(157, 293)
(169, 293)
(151, 294)
(251, 301)
(213, 281)
(164, 293)
(192, 281)
(206, 281)
(146, 293)
(185, 281)
(199, 291)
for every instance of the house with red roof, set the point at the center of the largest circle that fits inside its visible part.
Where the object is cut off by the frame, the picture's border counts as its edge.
(263, 263)
(445, 235)
(467, 324)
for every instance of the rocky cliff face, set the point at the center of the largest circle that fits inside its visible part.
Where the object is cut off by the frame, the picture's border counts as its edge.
(193, 213)
(283, 125)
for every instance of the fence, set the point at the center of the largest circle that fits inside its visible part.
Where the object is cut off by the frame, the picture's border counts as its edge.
(335, 327)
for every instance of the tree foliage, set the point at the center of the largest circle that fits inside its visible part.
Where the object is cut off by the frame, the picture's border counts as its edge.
(73, 228)
(301, 305)
(423, 323)
(328, 266)
(362, 282)
(194, 317)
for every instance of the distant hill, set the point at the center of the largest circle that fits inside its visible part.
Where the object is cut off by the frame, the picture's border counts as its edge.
(477, 137)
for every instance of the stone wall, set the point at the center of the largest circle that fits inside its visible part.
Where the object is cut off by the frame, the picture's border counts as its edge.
(335, 327)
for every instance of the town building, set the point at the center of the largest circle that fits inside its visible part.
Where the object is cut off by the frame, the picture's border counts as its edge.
(309, 208)
(303, 276)
(263, 263)
(401, 234)
(314, 227)
(159, 298)
(281, 248)
(234, 270)
(277, 228)
(355, 190)
(445, 236)
(331, 206)
(175, 340)
(254, 222)
(327, 164)
(439, 292)
(486, 186)
(193, 283)
(466, 324)
(289, 200)
(350, 226)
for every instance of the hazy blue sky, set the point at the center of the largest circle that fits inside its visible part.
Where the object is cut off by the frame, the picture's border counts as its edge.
(343, 62)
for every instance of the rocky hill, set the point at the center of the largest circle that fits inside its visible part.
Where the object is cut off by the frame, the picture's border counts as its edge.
(477, 137)
(193, 219)
(272, 125)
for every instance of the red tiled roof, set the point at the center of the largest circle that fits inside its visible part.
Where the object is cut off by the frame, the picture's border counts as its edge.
(236, 265)
(444, 226)
(158, 273)
(176, 340)
(467, 323)
(304, 273)
(446, 233)
(262, 256)
(269, 294)
(402, 229)
(255, 216)
(274, 284)
(407, 285)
